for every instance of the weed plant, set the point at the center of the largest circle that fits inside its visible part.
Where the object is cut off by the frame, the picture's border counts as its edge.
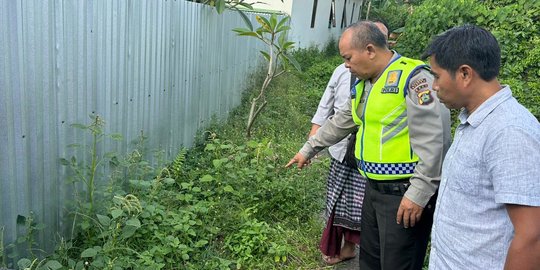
(226, 203)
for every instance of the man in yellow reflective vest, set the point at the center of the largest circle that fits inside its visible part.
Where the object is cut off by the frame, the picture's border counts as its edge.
(403, 134)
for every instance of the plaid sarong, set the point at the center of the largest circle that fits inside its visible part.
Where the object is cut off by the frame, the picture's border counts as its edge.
(345, 191)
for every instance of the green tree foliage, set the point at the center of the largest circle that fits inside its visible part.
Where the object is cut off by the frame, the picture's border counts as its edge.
(515, 23)
(393, 12)
(431, 18)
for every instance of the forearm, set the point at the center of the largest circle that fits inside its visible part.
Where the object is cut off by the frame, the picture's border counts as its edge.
(523, 254)
(524, 250)
(333, 131)
(314, 128)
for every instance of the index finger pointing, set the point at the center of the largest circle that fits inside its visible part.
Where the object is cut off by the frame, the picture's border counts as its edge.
(291, 162)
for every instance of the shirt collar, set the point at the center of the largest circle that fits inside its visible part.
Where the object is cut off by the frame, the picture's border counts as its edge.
(395, 56)
(485, 108)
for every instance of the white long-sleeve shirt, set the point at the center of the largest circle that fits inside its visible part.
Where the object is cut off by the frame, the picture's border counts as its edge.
(335, 98)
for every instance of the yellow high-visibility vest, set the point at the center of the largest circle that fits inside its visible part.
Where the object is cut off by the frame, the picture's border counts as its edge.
(382, 145)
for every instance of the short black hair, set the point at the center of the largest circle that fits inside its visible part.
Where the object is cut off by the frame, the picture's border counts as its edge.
(366, 32)
(467, 45)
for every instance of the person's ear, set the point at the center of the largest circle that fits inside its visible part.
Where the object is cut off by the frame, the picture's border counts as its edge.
(371, 51)
(465, 74)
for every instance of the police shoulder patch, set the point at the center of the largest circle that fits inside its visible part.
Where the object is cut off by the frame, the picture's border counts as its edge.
(425, 97)
(417, 84)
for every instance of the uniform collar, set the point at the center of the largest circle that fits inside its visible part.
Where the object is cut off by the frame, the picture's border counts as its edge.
(478, 116)
(395, 57)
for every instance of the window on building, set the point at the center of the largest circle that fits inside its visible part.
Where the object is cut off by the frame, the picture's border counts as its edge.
(352, 12)
(332, 19)
(313, 13)
(344, 15)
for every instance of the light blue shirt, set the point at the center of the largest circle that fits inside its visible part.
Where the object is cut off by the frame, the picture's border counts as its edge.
(493, 161)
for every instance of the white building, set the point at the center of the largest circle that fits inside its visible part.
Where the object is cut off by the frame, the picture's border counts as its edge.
(314, 22)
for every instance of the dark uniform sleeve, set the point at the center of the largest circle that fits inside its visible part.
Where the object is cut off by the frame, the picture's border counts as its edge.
(429, 131)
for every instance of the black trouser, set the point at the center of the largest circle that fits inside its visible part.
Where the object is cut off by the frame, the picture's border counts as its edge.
(386, 245)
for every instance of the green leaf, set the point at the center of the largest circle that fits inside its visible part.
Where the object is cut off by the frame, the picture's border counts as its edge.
(210, 147)
(169, 181)
(293, 61)
(128, 231)
(241, 30)
(24, 263)
(116, 136)
(283, 28)
(281, 41)
(266, 55)
(246, 5)
(201, 243)
(186, 185)
(53, 265)
(228, 188)
(206, 178)
(140, 184)
(217, 163)
(85, 225)
(273, 22)
(79, 126)
(134, 222)
(247, 21)
(115, 213)
(40, 226)
(104, 220)
(64, 162)
(264, 23)
(287, 45)
(249, 34)
(89, 253)
(282, 22)
(252, 144)
(220, 6)
(226, 146)
(110, 155)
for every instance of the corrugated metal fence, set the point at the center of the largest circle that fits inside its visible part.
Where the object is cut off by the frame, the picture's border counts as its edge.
(163, 67)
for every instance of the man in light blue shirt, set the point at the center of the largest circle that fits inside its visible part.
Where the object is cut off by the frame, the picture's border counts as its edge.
(488, 209)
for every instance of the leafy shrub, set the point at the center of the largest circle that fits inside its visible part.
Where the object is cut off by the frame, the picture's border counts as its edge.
(317, 75)
(513, 22)
(306, 57)
(431, 18)
(226, 203)
(394, 13)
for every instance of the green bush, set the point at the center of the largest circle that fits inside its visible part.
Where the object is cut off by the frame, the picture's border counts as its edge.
(513, 22)
(431, 18)
(394, 13)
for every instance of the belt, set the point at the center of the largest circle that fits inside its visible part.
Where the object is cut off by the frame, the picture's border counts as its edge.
(393, 187)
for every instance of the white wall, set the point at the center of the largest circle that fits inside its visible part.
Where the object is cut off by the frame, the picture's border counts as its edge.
(301, 13)
(276, 5)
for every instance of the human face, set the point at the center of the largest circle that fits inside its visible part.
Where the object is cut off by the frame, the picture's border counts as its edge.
(446, 86)
(356, 60)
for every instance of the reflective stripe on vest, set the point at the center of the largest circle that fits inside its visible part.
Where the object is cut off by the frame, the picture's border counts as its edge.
(382, 146)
